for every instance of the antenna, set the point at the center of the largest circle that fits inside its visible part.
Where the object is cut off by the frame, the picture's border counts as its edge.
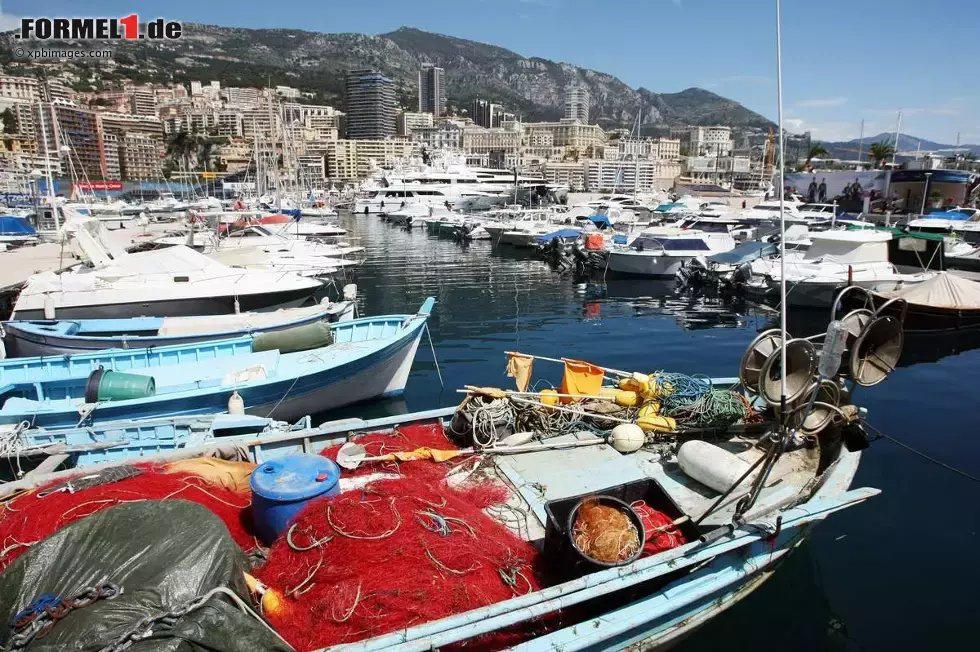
(782, 213)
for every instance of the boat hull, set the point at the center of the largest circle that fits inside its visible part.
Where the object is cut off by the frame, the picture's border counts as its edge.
(23, 343)
(382, 372)
(639, 264)
(186, 307)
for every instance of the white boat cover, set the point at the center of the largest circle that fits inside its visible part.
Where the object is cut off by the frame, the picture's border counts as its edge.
(944, 290)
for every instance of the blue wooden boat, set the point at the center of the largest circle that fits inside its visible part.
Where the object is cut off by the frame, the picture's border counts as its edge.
(369, 358)
(71, 336)
(656, 600)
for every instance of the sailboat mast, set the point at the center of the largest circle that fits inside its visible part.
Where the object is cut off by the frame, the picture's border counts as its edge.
(636, 154)
(782, 208)
(47, 166)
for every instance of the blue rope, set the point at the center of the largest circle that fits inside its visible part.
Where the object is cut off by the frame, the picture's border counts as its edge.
(680, 390)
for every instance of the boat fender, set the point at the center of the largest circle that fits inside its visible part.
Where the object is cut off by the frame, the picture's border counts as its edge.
(49, 310)
(236, 405)
(712, 466)
(293, 340)
(627, 438)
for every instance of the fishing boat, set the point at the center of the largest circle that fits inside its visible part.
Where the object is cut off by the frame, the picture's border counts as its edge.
(126, 440)
(368, 358)
(71, 336)
(704, 546)
(171, 282)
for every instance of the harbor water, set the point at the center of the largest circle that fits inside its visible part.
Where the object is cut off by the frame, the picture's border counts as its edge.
(898, 572)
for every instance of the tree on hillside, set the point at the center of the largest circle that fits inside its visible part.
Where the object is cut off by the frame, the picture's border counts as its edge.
(880, 152)
(9, 122)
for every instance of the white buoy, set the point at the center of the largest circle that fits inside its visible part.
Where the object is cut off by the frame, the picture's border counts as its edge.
(627, 438)
(711, 466)
(350, 292)
(48, 307)
(236, 405)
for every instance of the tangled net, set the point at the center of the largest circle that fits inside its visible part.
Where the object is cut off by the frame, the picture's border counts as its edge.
(605, 533)
(718, 408)
(402, 551)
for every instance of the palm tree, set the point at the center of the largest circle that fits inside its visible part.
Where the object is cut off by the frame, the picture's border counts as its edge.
(816, 151)
(880, 152)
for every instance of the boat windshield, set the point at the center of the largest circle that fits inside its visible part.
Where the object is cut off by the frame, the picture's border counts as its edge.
(670, 244)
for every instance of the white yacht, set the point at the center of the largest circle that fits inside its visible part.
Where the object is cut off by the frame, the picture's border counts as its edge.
(397, 198)
(171, 282)
(833, 260)
(663, 251)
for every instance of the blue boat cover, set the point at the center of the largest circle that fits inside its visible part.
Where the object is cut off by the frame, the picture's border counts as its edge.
(13, 225)
(947, 215)
(292, 212)
(601, 221)
(562, 233)
(620, 239)
(744, 253)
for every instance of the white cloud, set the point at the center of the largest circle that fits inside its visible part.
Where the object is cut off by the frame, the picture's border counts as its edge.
(826, 130)
(830, 101)
(8, 22)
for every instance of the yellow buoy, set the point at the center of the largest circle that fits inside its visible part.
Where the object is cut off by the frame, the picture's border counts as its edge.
(272, 602)
(649, 409)
(654, 423)
(626, 398)
(548, 397)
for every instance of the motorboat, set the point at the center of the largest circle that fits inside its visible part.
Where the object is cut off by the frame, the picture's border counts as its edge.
(961, 222)
(171, 282)
(663, 251)
(16, 231)
(257, 236)
(68, 337)
(166, 203)
(352, 361)
(835, 259)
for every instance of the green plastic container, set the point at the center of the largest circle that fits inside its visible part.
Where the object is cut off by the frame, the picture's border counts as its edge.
(105, 385)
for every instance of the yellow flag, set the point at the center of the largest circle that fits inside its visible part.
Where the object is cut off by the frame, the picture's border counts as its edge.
(519, 368)
(580, 378)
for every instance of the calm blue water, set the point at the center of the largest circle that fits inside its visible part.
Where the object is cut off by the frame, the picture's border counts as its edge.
(899, 572)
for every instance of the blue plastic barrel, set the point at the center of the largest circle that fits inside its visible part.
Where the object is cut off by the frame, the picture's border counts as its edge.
(282, 488)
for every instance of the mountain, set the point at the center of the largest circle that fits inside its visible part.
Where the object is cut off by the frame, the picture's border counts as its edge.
(315, 62)
(906, 143)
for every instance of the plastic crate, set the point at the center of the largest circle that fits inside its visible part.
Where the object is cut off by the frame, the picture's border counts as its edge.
(564, 561)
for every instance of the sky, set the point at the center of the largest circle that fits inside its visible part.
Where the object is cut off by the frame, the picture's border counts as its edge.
(844, 61)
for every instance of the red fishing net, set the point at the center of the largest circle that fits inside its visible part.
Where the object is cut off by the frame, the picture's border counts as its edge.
(398, 553)
(661, 533)
(27, 519)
